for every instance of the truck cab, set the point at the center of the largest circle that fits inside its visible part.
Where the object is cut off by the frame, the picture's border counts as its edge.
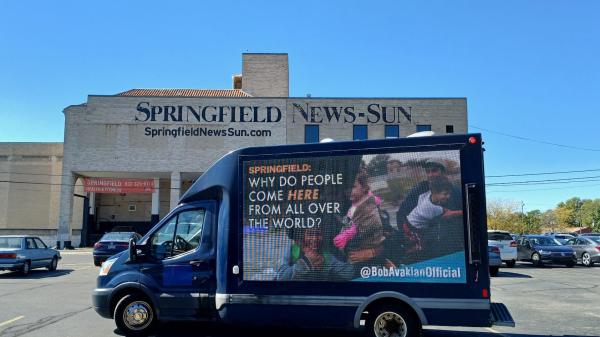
(287, 234)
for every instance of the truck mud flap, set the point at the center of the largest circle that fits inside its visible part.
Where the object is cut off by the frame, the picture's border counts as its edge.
(501, 316)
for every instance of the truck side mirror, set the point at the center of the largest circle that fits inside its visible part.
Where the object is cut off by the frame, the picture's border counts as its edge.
(132, 250)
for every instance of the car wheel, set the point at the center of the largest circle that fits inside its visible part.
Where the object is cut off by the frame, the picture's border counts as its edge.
(392, 320)
(586, 260)
(511, 263)
(26, 268)
(135, 316)
(536, 259)
(52, 266)
(494, 271)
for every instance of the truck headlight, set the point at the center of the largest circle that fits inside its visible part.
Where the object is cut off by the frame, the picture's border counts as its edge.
(105, 268)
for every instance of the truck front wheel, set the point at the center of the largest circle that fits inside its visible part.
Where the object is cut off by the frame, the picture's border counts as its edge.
(392, 321)
(134, 315)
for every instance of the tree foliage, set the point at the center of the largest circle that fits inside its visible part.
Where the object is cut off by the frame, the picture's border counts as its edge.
(574, 212)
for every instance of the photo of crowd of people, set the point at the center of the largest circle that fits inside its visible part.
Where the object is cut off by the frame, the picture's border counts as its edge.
(392, 210)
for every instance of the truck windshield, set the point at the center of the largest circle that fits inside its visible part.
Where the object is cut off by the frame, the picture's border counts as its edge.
(10, 242)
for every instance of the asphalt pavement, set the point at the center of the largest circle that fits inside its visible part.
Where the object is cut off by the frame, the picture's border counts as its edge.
(548, 301)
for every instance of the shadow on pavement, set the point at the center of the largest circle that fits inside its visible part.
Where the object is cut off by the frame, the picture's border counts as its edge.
(513, 275)
(449, 333)
(184, 329)
(36, 274)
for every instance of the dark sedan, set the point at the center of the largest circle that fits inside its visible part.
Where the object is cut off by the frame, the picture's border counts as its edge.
(540, 249)
(111, 244)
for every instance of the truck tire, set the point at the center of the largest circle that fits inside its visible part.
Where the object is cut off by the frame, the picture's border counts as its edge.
(392, 320)
(135, 316)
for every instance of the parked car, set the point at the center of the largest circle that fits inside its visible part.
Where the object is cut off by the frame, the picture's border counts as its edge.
(508, 246)
(495, 260)
(562, 238)
(111, 244)
(587, 249)
(23, 253)
(540, 249)
(590, 234)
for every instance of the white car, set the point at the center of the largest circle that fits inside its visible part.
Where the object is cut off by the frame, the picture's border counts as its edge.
(508, 246)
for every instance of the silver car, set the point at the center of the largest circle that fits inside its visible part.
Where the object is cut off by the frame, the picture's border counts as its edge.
(587, 249)
(23, 253)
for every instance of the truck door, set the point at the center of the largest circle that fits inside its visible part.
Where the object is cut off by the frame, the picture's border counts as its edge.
(181, 263)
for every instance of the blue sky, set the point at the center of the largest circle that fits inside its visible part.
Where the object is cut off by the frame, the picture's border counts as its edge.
(528, 68)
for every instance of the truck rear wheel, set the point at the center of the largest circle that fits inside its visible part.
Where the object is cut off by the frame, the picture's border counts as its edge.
(135, 316)
(392, 321)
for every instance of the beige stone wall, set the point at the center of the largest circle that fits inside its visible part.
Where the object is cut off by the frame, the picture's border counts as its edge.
(336, 117)
(265, 75)
(29, 201)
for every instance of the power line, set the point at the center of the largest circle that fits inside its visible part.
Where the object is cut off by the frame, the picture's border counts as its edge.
(535, 140)
(541, 173)
(545, 181)
(541, 189)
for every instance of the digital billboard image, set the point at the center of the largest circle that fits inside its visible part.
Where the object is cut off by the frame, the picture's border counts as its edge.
(394, 217)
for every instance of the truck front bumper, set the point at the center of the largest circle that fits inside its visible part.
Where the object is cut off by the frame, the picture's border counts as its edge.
(101, 302)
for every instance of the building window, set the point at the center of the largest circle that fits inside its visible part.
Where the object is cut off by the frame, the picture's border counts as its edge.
(311, 133)
(392, 131)
(360, 132)
(449, 128)
(423, 127)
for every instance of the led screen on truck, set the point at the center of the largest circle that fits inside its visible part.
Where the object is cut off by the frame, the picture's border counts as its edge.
(395, 217)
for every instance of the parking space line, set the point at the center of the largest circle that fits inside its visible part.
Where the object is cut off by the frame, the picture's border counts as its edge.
(11, 320)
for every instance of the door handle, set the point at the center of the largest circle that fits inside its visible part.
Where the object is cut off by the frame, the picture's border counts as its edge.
(196, 263)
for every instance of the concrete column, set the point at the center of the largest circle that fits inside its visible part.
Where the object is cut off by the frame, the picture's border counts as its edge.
(155, 202)
(92, 196)
(175, 189)
(66, 209)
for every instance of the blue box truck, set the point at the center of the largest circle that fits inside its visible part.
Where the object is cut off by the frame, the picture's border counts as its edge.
(385, 236)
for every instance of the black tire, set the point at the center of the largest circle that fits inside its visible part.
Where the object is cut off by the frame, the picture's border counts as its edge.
(26, 269)
(586, 260)
(97, 263)
(536, 259)
(392, 317)
(494, 271)
(53, 264)
(511, 263)
(146, 312)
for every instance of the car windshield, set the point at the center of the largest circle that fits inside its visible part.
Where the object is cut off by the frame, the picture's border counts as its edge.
(544, 242)
(10, 242)
(596, 239)
(124, 237)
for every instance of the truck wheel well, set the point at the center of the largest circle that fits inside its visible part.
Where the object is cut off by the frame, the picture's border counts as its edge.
(122, 293)
(389, 302)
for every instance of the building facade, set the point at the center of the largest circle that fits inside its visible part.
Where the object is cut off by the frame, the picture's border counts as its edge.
(165, 138)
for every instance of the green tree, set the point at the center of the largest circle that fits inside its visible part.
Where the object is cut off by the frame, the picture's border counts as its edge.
(378, 165)
(590, 213)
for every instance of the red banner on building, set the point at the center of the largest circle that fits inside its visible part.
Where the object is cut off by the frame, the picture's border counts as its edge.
(118, 185)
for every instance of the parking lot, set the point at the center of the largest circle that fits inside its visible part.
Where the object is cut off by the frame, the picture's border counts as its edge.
(548, 301)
